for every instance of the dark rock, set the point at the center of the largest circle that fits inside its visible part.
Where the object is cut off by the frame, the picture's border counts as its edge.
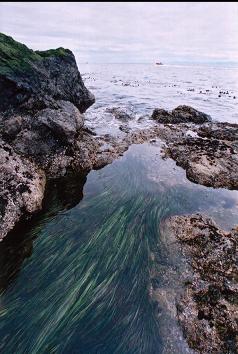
(220, 131)
(35, 80)
(162, 116)
(188, 114)
(44, 132)
(41, 97)
(65, 122)
(124, 128)
(181, 114)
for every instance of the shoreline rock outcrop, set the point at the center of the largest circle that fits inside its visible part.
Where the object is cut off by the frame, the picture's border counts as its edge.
(42, 100)
(207, 150)
(33, 80)
(210, 157)
(207, 310)
(181, 114)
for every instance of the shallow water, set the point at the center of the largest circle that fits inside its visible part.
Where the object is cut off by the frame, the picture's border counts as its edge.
(142, 87)
(77, 280)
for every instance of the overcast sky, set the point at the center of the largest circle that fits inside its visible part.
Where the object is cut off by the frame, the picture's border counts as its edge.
(127, 32)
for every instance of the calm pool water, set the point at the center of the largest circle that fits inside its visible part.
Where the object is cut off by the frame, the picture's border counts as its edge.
(77, 279)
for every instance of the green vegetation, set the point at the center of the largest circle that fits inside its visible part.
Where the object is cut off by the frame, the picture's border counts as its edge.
(16, 58)
(60, 52)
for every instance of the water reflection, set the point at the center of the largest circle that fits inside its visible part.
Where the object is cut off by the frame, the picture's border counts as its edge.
(61, 194)
(13, 250)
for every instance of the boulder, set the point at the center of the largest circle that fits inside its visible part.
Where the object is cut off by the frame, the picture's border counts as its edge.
(65, 122)
(46, 131)
(185, 114)
(181, 114)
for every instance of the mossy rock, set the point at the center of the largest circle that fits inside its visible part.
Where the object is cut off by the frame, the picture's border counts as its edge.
(59, 52)
(16, 58)
(33, 80)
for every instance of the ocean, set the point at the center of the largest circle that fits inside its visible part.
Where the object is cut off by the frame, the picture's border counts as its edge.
(143, 87)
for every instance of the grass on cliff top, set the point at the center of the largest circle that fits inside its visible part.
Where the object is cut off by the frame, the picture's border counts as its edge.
(16, 57)
(59, 52)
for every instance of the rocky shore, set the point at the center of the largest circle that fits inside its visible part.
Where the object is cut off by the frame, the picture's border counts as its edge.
(42, 100)
(207, 308)
(43, 136)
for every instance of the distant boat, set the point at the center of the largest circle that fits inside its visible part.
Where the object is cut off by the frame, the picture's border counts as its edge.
(159, 63)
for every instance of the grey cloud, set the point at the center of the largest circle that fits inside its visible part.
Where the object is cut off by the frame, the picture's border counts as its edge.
(127, 31)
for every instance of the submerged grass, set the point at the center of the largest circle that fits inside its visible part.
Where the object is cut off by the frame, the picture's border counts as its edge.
(86, 288)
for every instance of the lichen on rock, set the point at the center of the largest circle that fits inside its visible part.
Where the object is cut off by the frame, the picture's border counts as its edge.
(207, 310)
(22, 186)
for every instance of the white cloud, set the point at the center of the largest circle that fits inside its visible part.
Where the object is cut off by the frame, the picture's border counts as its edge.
(127, 31)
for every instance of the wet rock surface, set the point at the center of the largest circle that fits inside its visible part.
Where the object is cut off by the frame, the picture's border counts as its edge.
(211, 158)
(181, 114)
(22, 186)
(220, 131)
(207, 310)
(122, 114)
(208, 152)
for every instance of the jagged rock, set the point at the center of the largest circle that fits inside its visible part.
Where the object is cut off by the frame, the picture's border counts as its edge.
(207, 311)
(22, 186)
(162, 116)
(33, 80)
(189, 114)
(65, 122)
(42, 97)
(210, 162)
(44, 132)
(220, 131)
(181, 114)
